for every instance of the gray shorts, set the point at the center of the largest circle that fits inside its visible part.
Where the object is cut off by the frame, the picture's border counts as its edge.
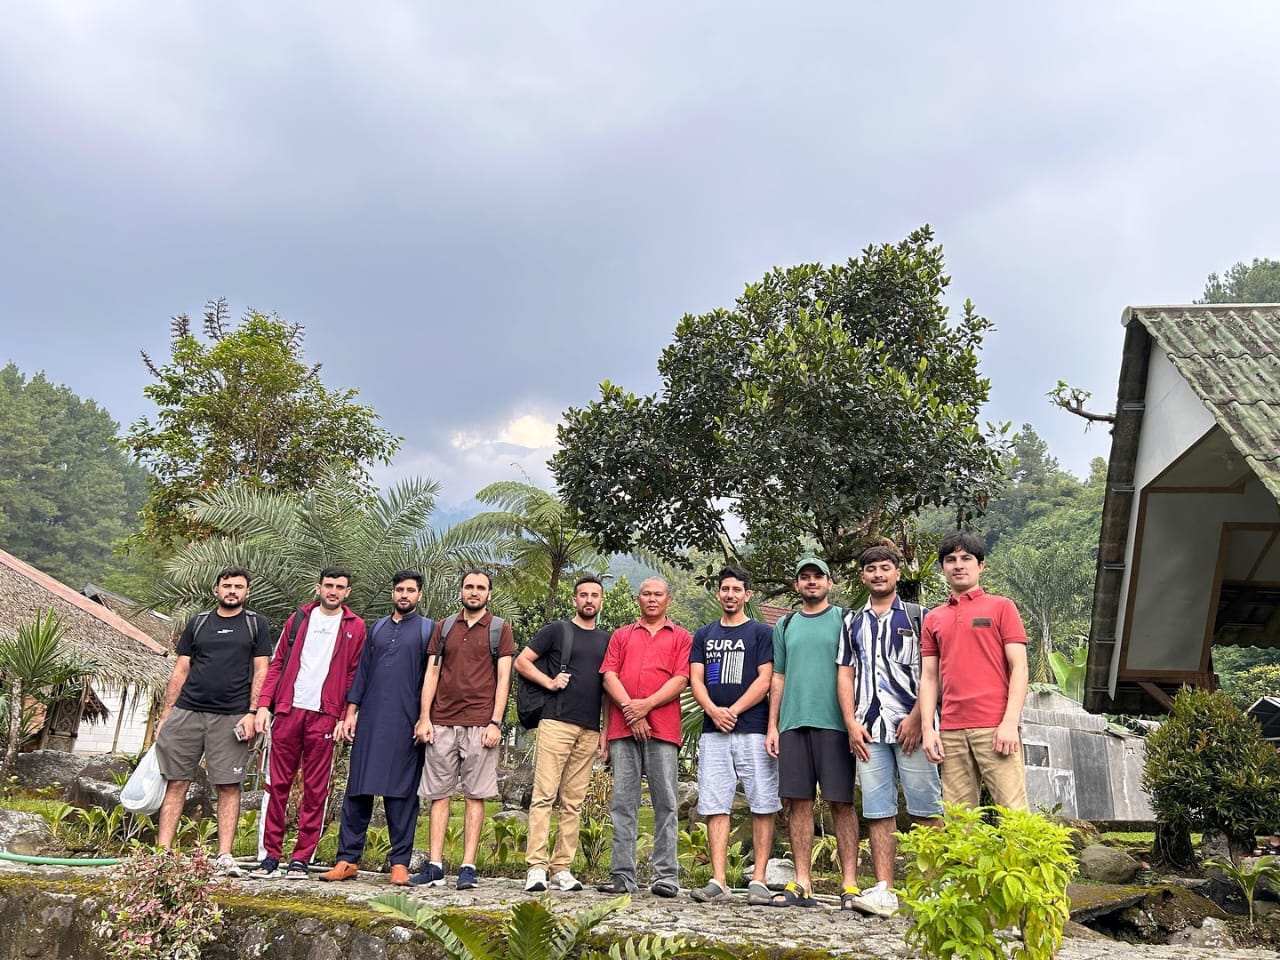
(187, 736)
(724, 759)
(456, 754)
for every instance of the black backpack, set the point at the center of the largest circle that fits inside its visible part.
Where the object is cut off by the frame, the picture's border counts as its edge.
(531, 699)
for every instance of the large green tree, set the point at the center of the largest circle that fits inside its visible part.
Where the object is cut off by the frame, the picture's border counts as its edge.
(285, 538)
(243, 408)
(68, 496)
(1257, 282)
(827, 407)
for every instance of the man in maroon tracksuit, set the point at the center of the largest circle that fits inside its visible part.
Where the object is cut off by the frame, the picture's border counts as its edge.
(304, 698)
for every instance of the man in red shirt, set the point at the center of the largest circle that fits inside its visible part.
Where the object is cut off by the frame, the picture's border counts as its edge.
(976, 648)
(646, 668)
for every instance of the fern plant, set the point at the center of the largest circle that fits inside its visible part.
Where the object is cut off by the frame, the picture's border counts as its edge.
(530, 931)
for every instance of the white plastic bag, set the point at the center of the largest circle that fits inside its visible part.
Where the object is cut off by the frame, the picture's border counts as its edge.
(144, 791)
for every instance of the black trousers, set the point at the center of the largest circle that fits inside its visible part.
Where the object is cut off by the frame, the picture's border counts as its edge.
(402, 820)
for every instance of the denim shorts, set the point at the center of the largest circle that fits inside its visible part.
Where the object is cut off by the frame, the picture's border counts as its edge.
(724, 759)
(879, 778)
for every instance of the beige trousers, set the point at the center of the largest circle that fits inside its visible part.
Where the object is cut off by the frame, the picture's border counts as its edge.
(970, 762)
(561, 770)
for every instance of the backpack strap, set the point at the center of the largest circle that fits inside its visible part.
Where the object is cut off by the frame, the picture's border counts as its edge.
(377, 626)
(445, 627)
(915, 613)
(295, 624)
(495, 636)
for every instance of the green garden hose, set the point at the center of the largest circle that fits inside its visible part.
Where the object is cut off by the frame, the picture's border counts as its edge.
(61, 861)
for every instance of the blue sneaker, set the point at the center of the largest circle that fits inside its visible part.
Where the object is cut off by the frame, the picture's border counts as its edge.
(467, 878)
(432, 875)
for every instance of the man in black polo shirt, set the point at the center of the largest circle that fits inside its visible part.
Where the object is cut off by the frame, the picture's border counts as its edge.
(568, 734)
(222, 661)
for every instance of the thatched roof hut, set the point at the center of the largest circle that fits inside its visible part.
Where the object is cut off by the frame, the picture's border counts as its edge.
(127, 657)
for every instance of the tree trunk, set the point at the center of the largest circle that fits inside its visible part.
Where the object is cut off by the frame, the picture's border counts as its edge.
(1173, 846)
(15, 730)
(550, 608)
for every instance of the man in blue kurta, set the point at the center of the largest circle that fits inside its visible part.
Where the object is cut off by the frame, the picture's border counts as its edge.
(382, 707)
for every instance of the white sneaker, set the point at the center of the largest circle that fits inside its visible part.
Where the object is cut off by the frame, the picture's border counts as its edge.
(566, 882)
(535, 881)
(226, 866)
(879, 901)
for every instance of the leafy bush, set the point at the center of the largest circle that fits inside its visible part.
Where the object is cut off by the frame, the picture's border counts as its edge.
(970, 879)
(1209, 769)
(159, 907)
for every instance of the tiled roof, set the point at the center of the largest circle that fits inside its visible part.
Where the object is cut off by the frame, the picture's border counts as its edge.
(1229, 354)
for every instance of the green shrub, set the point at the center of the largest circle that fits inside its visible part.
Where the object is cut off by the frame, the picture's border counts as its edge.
(159, 906)
(1208, 768)
(968, 879)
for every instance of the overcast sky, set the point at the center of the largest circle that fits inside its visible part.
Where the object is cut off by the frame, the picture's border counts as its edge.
(481, 211)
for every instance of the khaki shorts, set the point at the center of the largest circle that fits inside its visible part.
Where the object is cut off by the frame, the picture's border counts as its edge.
(970, 762)
(456, 754)
(187, 736)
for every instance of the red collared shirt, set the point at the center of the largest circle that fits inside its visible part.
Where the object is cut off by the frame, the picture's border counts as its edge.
(643, 663)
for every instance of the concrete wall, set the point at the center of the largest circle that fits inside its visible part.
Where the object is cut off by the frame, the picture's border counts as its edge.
(1074, 764)
(101, 737)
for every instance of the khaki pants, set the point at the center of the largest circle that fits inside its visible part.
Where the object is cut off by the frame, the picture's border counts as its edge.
(561, 768)
(970, 762)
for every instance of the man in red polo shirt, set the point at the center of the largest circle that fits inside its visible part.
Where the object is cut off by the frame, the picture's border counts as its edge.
(975, 646)
(645, 670)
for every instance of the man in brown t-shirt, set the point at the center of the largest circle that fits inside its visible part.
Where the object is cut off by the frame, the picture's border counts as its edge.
(463, 700)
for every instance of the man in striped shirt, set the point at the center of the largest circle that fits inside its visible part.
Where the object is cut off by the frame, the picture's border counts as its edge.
(878, 685)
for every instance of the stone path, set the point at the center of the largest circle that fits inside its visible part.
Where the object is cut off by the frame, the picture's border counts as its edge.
(825, 928)
(841, 935)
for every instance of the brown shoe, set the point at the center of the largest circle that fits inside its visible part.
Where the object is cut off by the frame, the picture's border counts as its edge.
(342, 870)
(399, 875)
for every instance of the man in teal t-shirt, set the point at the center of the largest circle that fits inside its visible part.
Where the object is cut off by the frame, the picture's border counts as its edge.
(807, 733)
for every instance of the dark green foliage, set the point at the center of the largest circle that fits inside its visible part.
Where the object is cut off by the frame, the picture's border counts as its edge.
(245, 409)
(67, 494)
(1257, 282)
(1208, 769)
(828, 406)
(1247, 686)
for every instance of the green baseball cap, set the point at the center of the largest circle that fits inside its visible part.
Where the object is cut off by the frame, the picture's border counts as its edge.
(813, 562)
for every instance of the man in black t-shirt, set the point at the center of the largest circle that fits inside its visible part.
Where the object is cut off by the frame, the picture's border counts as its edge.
(568, 734)
(222, 661)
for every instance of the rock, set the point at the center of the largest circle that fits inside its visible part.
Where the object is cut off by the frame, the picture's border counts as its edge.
(106, 766)
(521, 815)
(26, 834)
(778, 873)
(94, 793)
(41, 769)
(418, 860)
(1107, 864)
(515, 787)
(1210, 935)
(1083, 833)
(686, 799)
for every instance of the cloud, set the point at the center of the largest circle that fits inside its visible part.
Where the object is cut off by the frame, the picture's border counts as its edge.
(514, 448)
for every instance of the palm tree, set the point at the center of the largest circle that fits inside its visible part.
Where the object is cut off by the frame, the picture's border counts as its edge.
(36, 670)
(286, 538)
(530, 931)
(537, 540)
